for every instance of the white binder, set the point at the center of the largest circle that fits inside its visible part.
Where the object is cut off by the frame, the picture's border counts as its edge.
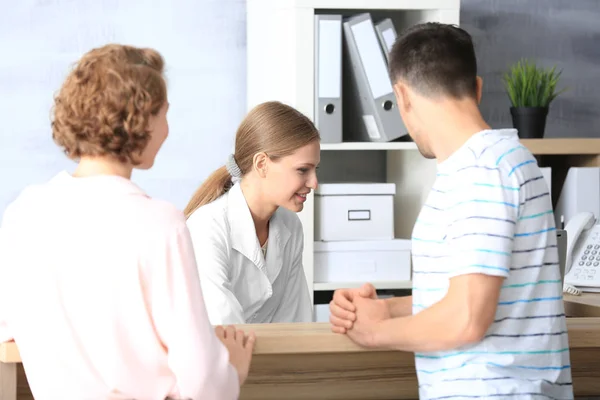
(328, 77)
(371, 104)
(386, 32)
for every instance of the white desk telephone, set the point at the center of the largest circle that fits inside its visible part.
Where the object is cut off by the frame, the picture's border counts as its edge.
(582, 264)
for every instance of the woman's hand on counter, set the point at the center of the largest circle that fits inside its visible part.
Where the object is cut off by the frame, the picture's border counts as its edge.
(240, 347)
(343, 311)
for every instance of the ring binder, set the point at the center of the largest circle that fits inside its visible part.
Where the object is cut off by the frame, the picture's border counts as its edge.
(328, 77)
(372, 109)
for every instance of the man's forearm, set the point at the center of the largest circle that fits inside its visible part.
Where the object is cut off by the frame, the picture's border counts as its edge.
(462, 317)
(399, 306)
(440, 327)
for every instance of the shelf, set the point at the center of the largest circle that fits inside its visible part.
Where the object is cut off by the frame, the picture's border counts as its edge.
(366, 5)
(369, 146)
(378, 285)
(558, 146)
(563, 146)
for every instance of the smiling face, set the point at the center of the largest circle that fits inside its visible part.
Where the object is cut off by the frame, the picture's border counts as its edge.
(277, 149)
(289, 179)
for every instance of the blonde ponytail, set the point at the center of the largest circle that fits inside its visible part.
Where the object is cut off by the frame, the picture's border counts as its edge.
(217, 184)
(272, 127)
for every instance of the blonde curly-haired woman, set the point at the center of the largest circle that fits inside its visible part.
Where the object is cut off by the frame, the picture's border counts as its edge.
(100, 288)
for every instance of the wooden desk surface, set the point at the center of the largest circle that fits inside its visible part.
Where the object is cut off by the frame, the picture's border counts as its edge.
(308, 361)
(317, 338)
(586, 305)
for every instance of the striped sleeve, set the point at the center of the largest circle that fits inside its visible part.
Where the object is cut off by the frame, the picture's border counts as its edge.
(482, 225)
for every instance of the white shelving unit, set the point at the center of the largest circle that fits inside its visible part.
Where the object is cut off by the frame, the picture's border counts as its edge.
(378, 285)
(369, 146)
(280, 66)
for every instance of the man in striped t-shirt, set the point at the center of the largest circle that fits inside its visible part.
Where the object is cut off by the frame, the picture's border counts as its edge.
(486, 317)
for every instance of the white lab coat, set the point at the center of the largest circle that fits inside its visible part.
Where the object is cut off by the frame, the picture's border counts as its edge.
(238, 285)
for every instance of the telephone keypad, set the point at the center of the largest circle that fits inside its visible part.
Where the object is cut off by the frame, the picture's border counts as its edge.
(589, 260)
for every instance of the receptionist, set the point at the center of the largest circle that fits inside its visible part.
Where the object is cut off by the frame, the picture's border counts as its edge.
(247, 237)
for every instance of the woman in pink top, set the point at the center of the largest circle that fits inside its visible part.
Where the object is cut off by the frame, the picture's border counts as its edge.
(100, 287)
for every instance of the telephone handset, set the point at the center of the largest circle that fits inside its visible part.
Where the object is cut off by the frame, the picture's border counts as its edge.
(582, 264)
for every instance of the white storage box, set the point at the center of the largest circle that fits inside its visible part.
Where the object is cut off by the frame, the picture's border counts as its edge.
(354, 211)
(362, 261)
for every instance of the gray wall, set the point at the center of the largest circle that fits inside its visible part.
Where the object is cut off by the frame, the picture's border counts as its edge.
(565, 33)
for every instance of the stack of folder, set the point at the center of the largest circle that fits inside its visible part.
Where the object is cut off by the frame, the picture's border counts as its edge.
(369, 112)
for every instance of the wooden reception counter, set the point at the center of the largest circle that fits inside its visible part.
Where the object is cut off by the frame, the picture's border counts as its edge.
(307, 361)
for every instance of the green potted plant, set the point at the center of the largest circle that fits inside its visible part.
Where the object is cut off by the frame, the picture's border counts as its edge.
(531, 89)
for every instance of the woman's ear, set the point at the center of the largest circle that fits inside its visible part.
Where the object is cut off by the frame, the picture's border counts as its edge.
(259, 162)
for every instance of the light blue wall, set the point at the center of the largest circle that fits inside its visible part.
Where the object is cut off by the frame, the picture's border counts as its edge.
(203, 42)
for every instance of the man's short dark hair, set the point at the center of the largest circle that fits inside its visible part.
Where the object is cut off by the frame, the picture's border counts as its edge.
(435, 59)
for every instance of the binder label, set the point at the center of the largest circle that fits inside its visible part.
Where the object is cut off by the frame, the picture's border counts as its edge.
(330, 59)
(390, 37)
(372, 58)
(371, 125)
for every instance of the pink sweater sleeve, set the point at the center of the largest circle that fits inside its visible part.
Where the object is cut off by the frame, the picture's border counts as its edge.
(196, 356)
(5, 334)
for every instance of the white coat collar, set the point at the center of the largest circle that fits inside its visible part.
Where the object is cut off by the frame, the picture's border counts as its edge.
(243, 234)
